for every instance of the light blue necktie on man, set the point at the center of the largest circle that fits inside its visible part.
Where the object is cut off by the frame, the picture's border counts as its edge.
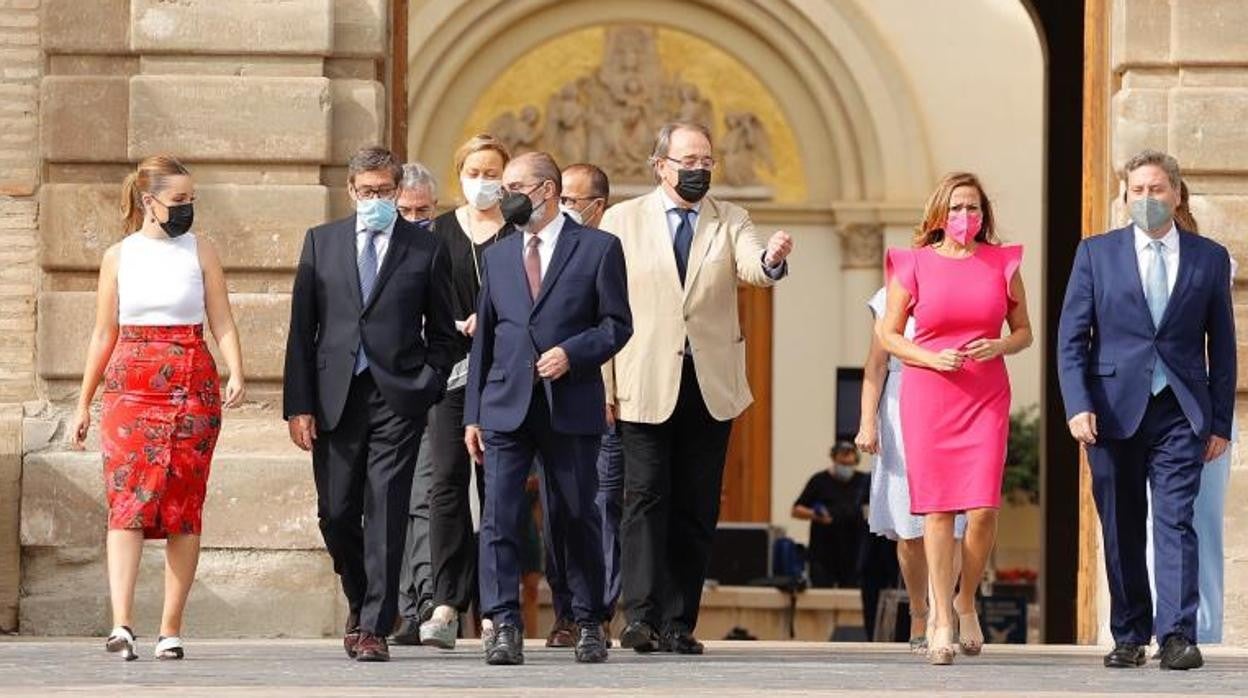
(367, 264)
(1157, 290)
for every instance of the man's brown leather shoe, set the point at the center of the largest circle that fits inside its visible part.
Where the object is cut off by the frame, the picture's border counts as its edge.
(562, 634)
(351, 636)
(372, 648)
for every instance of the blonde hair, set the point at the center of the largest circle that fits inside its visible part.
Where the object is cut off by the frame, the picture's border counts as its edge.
(479, 142)
(936, 212)
(148, 178)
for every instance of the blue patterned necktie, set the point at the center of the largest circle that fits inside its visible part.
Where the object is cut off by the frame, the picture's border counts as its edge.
(684, 239)
(1158, 292)
(367, 264)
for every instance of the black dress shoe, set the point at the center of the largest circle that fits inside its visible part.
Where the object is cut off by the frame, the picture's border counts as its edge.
(506, 647)
(591, 644)
(1180, 654)
(1126, 656)
(408, 632)
(640, 637)
(680, 642)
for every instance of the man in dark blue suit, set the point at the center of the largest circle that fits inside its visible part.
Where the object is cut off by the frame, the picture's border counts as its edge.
(1146, 355)
(553, 308)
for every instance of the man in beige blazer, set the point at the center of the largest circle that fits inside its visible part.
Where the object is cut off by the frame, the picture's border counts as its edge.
(680, 381)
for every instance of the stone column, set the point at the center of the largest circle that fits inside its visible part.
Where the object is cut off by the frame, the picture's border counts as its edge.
(22, 66)
(862, 258)
(1184, 90)
(264, 102)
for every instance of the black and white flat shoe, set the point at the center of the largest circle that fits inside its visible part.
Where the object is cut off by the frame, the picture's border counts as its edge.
(169, 647)
(121, 641)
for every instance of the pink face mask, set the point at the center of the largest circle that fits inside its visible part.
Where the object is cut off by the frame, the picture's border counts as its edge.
(963, 227)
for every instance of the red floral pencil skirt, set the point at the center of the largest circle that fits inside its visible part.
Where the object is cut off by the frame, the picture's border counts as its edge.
(161, 418)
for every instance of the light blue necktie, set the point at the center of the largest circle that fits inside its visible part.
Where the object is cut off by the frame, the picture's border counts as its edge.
(367, 264)
(1158, 291)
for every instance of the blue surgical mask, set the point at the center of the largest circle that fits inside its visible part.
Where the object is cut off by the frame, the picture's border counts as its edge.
(376, 214)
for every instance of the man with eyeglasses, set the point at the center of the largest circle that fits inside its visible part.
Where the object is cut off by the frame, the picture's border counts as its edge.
(369, 350)
(679, 383)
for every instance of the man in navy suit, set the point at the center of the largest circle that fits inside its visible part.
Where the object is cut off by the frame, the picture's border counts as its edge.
(553, 308)
(1146, 354)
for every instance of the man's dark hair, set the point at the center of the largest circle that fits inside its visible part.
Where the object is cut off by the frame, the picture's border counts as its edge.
(372, 158)
(599, 186)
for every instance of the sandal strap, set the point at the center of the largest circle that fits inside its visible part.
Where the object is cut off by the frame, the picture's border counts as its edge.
(122, 632)
(166, 644)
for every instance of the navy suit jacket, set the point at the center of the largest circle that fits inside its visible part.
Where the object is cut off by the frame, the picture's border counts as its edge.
(582, 306)
(1107, 342)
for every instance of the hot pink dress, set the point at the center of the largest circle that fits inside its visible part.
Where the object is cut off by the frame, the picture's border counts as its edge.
(956, 423)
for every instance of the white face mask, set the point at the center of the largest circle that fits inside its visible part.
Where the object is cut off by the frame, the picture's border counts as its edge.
(481, 193)
(572, 213)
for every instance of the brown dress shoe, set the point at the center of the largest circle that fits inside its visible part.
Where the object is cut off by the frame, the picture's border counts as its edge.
(562, 634)
(351, 637)
(372, 648)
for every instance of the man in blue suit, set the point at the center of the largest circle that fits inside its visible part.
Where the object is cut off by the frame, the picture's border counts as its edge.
(1146, 355)
(553, 308)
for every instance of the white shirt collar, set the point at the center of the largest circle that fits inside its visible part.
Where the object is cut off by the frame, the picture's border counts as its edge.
(549, 234)
(668, 204)
(1170, 240)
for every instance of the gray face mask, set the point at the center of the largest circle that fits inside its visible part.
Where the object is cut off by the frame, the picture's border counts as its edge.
(1150, 214)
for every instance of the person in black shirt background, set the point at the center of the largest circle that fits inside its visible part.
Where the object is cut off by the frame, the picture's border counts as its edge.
(834, 501)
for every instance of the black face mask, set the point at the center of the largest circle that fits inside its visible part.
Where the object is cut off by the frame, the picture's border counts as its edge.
(180, 219)
(517, 208)
(692, 185)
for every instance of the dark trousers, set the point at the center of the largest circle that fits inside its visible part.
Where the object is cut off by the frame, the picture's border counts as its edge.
(610, 502)
(1167, 455)
(452, 547)
(569, 484)
(363, 471)
(672, 477)
(416, 580)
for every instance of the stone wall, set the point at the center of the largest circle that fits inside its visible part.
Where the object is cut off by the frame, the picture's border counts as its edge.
(264, 100)
(1182, 70)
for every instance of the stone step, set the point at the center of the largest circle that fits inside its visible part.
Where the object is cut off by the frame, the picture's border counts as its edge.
(255, 501)
(237, 593)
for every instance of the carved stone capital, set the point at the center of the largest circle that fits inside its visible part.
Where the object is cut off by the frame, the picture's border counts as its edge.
(862, 245)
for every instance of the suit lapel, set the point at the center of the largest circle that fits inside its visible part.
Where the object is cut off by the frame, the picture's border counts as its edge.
(1187, 267)
(564, 247)
(659, 232)
(348, 258)
(516, 241)
(400, 241)
(703, 234)
(1131, 260)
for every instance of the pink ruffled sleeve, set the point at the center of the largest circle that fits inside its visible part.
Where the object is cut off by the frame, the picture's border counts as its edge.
(1011, 258)
(899, 266)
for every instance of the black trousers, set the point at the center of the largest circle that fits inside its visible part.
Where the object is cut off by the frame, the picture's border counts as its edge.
(673, 473)
(569, 484)
(452, 546)
(363, 471)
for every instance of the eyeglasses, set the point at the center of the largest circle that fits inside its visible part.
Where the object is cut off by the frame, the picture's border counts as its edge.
(369, 193)
(519, 187)
(576, 200)
(693, 162)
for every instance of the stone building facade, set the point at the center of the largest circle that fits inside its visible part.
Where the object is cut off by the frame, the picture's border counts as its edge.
(265, 100)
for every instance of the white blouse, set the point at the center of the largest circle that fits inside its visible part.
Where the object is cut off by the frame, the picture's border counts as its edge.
(159, 281)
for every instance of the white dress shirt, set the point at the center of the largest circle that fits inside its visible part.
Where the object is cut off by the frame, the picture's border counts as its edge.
(1144, 255)
(549, 237)
(673, 218)
(380, 244)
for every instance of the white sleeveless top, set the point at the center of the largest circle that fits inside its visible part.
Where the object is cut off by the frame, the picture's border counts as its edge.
(159, 282)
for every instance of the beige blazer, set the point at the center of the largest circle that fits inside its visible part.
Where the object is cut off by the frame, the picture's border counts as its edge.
(643, 380)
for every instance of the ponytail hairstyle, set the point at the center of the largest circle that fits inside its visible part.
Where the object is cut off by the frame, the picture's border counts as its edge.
(1183, 213)
(148, 178)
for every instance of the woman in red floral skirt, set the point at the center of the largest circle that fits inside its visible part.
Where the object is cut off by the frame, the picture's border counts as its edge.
(162, 403)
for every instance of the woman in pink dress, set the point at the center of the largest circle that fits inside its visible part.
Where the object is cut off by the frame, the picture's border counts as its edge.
(960, 285)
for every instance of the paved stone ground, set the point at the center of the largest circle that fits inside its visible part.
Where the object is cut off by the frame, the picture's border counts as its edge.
(217, 668)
